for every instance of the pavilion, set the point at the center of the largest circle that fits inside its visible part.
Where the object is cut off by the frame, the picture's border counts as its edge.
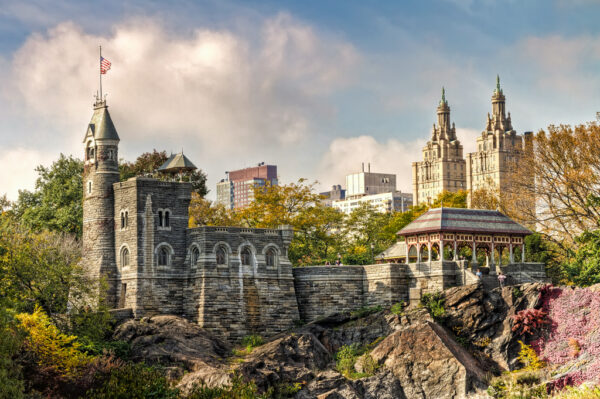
(454, 228)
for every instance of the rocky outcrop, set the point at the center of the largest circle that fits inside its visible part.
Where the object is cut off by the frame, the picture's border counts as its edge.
(416, 356)
(180, 345)
(484, 318)
(293, 358)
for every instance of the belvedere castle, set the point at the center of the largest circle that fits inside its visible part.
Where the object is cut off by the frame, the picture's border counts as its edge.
(238, 281)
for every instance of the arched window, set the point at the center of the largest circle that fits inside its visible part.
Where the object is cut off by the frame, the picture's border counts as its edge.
(160, 219)
(194, 255)
(89, 187)
(246, 256)
(126, 219)
(122, 220)
(124, 257)
(166, 224)
(89, 153)
(163, 256)
(271, 257)
(221, 256)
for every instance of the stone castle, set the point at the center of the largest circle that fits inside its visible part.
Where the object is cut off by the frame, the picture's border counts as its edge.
(231, 280)
(444, 168)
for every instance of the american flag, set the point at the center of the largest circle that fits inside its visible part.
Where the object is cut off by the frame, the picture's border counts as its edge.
(104, 65)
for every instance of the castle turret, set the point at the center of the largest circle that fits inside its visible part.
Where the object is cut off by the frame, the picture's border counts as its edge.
(101, 170)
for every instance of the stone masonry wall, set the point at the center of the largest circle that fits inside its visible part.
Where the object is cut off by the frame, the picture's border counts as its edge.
(323, 290)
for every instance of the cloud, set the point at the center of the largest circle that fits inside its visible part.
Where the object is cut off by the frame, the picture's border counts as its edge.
(17, 170)
(228, 99)
(345, 156)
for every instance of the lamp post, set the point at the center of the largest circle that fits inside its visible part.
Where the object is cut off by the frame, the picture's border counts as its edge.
(372, 257)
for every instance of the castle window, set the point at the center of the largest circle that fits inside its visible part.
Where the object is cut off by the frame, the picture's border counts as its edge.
(167, 224)
(160, 219)
(246, 256)
(271, 257)
(194, 255)
(221, 256)
(163, 256)
(124, 219)
(124, 257)
(89, 187)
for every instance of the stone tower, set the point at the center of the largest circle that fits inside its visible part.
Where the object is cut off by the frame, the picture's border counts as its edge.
(100, 172)
(499, 149)
(443, 166)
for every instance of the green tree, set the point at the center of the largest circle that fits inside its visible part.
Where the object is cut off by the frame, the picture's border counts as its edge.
(584, 267)
(56, 202)
(39, 268)
(148, 164)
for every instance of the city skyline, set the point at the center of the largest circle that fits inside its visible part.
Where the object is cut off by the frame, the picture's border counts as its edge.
(315, 89)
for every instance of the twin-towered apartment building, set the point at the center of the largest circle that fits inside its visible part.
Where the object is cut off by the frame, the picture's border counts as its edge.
(444, 168)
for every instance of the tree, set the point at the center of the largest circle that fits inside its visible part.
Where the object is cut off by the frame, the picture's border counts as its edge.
(584, 267)
(205, 213)
(565, 167)
(39, 268)
(56, 202)
(148, 163)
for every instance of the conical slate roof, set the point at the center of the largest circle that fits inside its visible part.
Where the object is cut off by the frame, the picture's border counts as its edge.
(177, 163)
(101, 126)
(461, 220)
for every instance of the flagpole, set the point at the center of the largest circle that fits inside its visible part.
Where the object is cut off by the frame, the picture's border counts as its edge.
(100, 70)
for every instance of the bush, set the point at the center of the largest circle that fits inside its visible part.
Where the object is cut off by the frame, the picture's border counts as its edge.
(434, 303)
(252, 341)
(347, 356)
(135, 381)
(529, 359)
(529, 321)
(52, 349)
(398, 308)
(365, 311)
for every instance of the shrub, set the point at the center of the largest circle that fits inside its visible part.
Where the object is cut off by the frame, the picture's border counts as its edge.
(135, 381)
(434, 303)
(398, 308)
(516, 292)
(52, 349)
(347, 356)
(365, 311)
(529, 358)
(575, 347)
(529, 321)
(252, 341)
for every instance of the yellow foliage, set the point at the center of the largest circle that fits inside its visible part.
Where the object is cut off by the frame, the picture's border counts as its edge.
(529, 358)
(52, 348)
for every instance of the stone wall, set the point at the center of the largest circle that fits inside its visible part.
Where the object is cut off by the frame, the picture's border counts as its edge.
(323, 290)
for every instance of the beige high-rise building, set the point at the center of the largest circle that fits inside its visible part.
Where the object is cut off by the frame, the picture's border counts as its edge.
(498, 149)
(443, 165)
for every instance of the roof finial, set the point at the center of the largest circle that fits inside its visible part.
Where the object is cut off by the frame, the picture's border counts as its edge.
(498, 83)
(443, 94)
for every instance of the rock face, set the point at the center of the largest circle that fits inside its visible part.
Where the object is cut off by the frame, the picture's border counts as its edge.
(485, 318)
(293, 358)
(179, 344)
(417, 357)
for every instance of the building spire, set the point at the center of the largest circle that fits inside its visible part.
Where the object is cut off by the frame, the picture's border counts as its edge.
(443, 100)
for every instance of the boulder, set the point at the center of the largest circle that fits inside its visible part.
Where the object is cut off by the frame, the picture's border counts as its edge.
(428, 363)
(173, 341)
(293, 358)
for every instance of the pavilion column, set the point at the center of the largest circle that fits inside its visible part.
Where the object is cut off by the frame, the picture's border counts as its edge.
(455, 254)
(429, 252)
(441, 250)
(474, 252)
(523, 252)
(511, 257)
(493, 262)
(419, 253)
(407, 250)
(500, 250)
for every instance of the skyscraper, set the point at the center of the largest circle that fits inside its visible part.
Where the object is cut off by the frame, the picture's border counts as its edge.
(443, 166)
(237, 191)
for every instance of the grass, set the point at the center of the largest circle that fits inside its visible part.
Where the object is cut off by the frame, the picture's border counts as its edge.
(347, 356)
(365, 311)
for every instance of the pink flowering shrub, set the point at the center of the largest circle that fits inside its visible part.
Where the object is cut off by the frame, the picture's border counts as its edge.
(529, 321)
(574, 330)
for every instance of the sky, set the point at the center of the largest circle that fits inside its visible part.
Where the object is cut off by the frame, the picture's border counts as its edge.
(314, 87)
